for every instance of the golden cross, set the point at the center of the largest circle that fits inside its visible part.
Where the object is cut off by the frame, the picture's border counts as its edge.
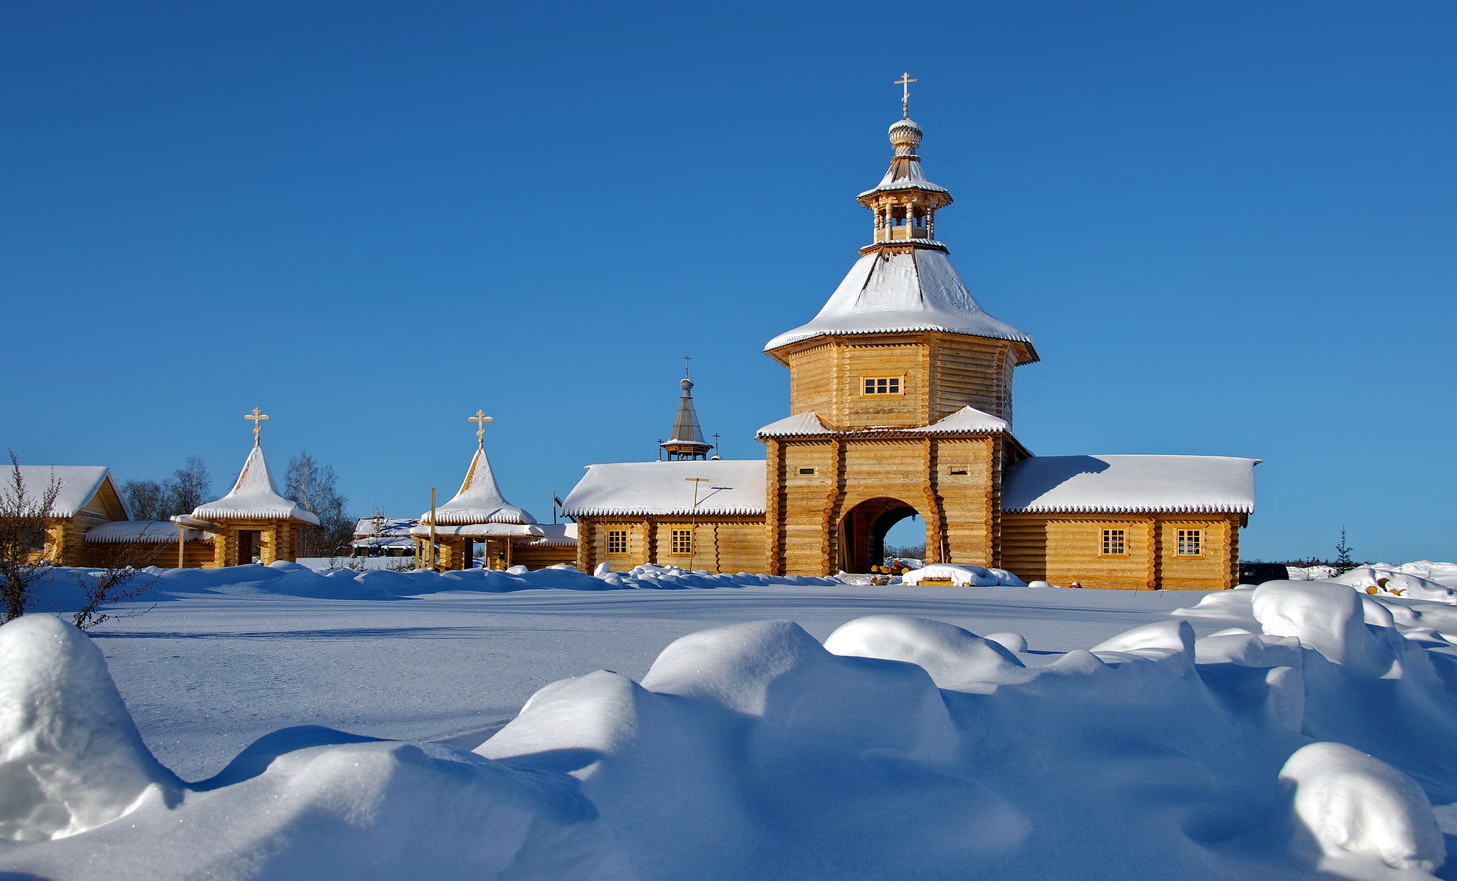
(257, 417)
(480, 419)
(905, 83)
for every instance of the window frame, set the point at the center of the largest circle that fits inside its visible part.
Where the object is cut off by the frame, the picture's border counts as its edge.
(1114, 543)
(614, 534)
(1189, 538)
(894, 386)
(680, 542)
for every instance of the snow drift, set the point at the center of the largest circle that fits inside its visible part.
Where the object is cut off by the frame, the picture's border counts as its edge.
(1308, 740)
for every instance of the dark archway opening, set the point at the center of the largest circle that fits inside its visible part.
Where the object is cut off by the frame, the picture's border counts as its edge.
(863, 529)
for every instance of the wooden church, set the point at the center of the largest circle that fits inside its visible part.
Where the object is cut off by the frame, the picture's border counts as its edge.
(901, 405)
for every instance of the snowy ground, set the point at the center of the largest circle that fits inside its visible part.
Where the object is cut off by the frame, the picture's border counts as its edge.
(749, 749)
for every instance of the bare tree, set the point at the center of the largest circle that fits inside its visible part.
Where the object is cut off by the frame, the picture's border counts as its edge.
(314, 487)
(146, 499)
(188, 487)
(23, 522)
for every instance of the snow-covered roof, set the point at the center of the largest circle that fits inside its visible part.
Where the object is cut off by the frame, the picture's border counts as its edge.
(493, 530)
(967, 420)
(560, 535)
(119, 531)
(1128, 484)
(905, 292)
(904, 176)
(805, 424)
(255, 495)
(383, 541)
(367, 527)
(78, 485)
(479, 499)
(732, 487)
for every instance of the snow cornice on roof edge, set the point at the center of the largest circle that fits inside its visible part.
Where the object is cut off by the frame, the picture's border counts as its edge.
(967, 420)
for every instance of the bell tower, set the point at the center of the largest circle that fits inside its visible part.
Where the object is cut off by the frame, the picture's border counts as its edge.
(901, 395)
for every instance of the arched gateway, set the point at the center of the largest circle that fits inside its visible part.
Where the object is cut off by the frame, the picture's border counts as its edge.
(863, 530)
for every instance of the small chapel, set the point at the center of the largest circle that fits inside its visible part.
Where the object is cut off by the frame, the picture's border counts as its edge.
(901, 405)
(479, 519)
(253, 522)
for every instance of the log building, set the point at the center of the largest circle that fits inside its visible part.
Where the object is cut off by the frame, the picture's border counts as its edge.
(253, 523)
(901, 405)
(446, 535)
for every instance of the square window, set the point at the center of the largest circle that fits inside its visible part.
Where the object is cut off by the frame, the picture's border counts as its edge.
(681, 542)
(617, 541)
(1113, 542)
(1190, 542)
(883, 385)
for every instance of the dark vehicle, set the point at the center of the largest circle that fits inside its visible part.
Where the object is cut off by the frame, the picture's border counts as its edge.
(1259, 573)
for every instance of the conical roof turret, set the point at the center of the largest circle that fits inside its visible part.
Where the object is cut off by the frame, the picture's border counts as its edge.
(479, 499)
(686, 440)
(254, 496)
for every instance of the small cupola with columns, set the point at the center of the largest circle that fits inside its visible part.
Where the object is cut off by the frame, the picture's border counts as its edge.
(686, 440)
(904, 202)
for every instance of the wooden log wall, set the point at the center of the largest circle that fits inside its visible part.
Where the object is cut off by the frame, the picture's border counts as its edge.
(971, 371)
(1063, 549)
(720, 544)
(534, 556)
(277, 540)
(815, 483)
(938, 373)
(162, 554)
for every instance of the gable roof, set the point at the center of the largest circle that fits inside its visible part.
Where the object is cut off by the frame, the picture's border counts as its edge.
(916, 290)
(733, 487)
(79, 484)
(1130, 484)
(479, 499)
(254, 495)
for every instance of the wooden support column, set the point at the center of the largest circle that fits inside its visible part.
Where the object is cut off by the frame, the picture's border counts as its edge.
(774, 480)
(831, 540)
(935, 515)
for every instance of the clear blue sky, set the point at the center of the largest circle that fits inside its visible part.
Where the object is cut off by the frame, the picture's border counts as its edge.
(1230, 228)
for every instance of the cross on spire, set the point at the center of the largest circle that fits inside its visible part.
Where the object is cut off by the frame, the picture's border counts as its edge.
(257, 417)
(905, 83)
(686, 359)
(480, 419)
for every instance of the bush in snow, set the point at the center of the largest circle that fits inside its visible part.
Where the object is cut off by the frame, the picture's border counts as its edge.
(23, 521)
